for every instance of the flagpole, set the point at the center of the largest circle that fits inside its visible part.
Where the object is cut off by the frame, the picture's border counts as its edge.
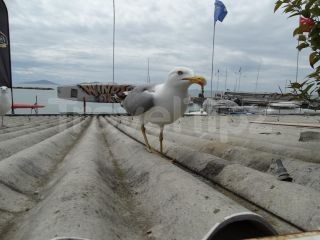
(218, 82)
(298, 53)
(297, 70)
(214, 35)
(12, 109)
(113, 46)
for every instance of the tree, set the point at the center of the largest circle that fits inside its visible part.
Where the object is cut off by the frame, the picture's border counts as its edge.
(309, 9)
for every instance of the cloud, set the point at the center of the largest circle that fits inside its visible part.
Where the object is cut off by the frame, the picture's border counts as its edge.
(71, 41)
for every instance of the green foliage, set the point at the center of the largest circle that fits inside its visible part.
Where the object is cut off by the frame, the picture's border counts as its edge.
(307, 9)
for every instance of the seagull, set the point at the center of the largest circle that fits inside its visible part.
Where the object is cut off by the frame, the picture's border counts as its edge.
(164, 103)
(5, 105)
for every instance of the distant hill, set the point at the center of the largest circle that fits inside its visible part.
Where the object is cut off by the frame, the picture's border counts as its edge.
(40, 82)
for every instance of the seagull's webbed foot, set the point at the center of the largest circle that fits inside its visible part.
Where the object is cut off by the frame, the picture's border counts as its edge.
(143, 130)
(149, 149)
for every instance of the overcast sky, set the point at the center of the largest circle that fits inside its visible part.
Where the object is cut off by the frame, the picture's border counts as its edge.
(70, 41)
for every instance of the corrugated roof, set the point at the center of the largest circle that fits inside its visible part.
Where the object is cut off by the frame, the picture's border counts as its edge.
(91, 178)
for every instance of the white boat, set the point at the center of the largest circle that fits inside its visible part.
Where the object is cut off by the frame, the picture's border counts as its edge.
(287, 105)
(197, 113)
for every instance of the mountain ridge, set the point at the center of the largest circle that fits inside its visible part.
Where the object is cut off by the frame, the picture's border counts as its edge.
(42, 82)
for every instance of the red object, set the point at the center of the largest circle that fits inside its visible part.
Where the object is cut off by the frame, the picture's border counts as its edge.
(307, 24)
(32, 106)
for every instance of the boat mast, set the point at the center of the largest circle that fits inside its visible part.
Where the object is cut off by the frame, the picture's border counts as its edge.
(226, 80)
(259, 67)
(148, 76)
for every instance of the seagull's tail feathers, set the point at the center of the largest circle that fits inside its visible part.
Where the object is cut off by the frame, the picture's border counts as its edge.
(120, 97)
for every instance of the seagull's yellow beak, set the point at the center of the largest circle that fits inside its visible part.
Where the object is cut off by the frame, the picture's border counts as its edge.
(197, 79)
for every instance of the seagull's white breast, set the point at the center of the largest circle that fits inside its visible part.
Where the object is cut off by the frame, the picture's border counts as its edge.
(170, 104)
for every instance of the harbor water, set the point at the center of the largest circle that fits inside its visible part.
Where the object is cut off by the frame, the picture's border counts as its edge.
(55, 105)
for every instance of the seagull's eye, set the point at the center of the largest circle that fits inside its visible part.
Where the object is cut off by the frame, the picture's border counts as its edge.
(180, 72)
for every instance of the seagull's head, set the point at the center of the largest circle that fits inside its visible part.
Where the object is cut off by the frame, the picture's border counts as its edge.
(184, 77)
(3, 89)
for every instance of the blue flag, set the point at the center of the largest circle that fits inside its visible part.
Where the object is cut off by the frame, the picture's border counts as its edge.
(220, 11)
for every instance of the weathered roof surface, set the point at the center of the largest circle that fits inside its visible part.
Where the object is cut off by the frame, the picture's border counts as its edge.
(91, 178)
(315, 235)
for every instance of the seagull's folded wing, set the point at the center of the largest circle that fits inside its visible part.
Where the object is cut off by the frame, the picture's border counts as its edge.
(139, 100)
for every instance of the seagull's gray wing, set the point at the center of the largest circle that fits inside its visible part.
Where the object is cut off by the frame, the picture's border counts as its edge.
(139, 100)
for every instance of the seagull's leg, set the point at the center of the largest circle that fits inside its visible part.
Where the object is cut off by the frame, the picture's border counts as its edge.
(2, 122)
(148, 147)
(161, 139)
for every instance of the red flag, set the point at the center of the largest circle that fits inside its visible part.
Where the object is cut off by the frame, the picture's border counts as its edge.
(306, 23)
